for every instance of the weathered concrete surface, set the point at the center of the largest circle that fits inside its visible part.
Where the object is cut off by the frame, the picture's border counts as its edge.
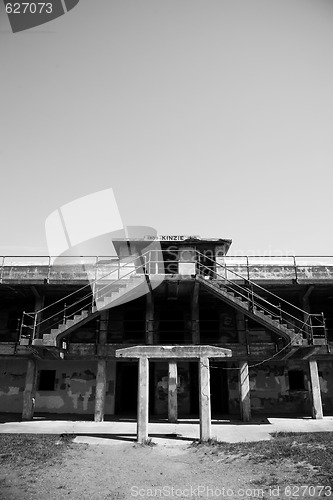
(29, 391)
(143, 400)
(224, 430)
(173, 352)
(100, 390)
(244, 389)
(204, 399)
(317, 407)
(76, 273)
(172, 392)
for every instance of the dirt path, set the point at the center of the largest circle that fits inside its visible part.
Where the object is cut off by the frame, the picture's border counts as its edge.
(128, 471)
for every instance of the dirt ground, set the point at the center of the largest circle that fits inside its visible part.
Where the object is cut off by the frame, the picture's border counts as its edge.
(166, 470)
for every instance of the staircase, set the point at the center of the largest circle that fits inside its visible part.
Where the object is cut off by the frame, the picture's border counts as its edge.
(44, 329)
(276, 314)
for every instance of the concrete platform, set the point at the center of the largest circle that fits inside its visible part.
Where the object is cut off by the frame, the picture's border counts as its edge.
(116, 431)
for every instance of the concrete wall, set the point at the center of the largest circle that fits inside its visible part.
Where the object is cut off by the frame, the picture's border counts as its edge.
(270, 391)
(12, 383)
(325, 369)
(75, 387)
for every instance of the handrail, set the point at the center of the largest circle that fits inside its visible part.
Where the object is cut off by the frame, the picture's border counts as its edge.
(91, 294)
(91, 283)
(255, 284)
(70, 306)
(300, 325)
(250, 291)
(259, 298)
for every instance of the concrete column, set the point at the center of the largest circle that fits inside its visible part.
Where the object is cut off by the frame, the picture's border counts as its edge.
(204, 399)
(317, 408)
(103, 327)
(29, 391)
(305, 304)
(39, 304)
(149, 319)
(143, 400)
(100, 390)
(112, 384)
(172, 392)
(240, 324)
(244, 391)
(195, 314)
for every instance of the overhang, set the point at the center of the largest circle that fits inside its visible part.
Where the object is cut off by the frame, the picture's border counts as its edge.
(173, 352)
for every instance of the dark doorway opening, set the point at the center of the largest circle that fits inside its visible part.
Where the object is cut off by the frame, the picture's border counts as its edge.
(194, 394)
(218, 389)
(126, 388)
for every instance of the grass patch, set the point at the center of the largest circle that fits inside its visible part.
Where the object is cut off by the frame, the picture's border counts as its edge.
(301, 449)
(147, 442)
(33, 449)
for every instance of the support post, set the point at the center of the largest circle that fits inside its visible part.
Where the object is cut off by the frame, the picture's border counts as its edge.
(29, 391)
(143, 400)
(317, 407)
(103, 327)
(100, 390)
(101, 368)
(172, 392)
(240, 325)
(112, 384)
(195, 314)
(39, 304)
(204, 399)
(306, 308)
(149, 319)
(244, 392)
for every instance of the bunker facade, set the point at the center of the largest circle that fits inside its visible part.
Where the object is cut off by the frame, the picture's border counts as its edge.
(255, 332)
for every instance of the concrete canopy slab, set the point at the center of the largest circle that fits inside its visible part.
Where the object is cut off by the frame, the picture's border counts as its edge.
(173, 352)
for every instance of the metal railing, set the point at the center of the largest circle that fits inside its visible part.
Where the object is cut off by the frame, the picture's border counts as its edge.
(35, 324)
(50, 269)
(255, 297)
(309, 325)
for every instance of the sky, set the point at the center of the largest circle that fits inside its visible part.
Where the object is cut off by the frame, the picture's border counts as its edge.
(205, 117)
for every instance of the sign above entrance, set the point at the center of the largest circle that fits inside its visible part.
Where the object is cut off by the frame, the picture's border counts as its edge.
(167, 237)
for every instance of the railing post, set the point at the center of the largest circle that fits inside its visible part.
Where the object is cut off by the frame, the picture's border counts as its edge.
(34, 327)
(64, 315)
(94, 298)
(248, 268)
(280, 313)
(324, 327)
(48, 270)
(309, 327)
(2, 266)
(251, 299)
(96, 266)
(18, 329)
(21, 327)
(295, 267)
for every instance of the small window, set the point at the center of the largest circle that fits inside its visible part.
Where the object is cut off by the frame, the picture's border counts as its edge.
(296, 380)
(47, 380)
